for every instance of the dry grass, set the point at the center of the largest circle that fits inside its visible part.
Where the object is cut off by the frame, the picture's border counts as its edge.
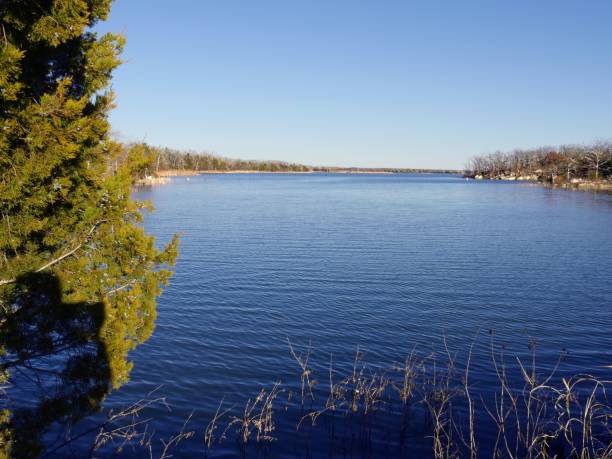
(429, 401)
(531, 415)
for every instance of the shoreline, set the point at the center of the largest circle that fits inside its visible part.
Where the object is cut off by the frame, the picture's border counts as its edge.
(149, 181)
(573, 184)
(348, 170)
(191, 172)
(253, 172)
(600, 186)
(165, 177)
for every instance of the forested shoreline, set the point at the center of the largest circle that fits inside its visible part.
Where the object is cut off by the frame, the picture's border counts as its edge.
(166, 162)
(570, 166)
(169, 159)
(565, 165)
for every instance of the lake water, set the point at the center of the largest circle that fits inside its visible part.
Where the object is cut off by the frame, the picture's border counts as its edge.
(382, 263)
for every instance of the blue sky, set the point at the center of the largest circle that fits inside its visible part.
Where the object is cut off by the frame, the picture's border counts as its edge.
(363, 83)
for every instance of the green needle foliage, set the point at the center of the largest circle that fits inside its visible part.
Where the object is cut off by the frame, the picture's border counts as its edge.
(79, 277)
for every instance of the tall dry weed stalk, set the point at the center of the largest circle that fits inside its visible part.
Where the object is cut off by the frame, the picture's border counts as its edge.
(430, 401)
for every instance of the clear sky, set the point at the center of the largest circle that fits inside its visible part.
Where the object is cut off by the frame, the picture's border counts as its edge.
(363, 83)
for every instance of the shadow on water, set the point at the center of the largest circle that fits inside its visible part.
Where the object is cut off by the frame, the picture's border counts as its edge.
(59, 366)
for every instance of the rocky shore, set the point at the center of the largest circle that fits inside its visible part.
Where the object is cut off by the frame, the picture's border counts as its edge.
(532, 178)
(150, 180)
(587, 185)
(555, 182)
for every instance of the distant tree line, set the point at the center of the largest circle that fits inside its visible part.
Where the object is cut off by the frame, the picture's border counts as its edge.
(551, 164)
(148, 160)
(163, 159)
(385, 170)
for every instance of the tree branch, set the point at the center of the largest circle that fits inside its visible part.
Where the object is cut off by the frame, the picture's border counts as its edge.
(58, 259)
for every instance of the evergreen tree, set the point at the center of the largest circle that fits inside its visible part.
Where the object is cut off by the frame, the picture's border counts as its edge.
(79, 277)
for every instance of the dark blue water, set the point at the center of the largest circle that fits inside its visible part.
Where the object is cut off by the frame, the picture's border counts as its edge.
(380, 262)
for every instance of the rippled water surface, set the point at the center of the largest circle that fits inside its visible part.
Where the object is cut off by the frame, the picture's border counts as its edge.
(383, 262)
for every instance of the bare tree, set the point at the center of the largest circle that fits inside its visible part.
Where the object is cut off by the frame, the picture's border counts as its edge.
(598, 156)
(548, 162)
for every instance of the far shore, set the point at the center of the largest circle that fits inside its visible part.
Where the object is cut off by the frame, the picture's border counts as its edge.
(254, 172)
(163, 177)
(191, 172)
(350, 170)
